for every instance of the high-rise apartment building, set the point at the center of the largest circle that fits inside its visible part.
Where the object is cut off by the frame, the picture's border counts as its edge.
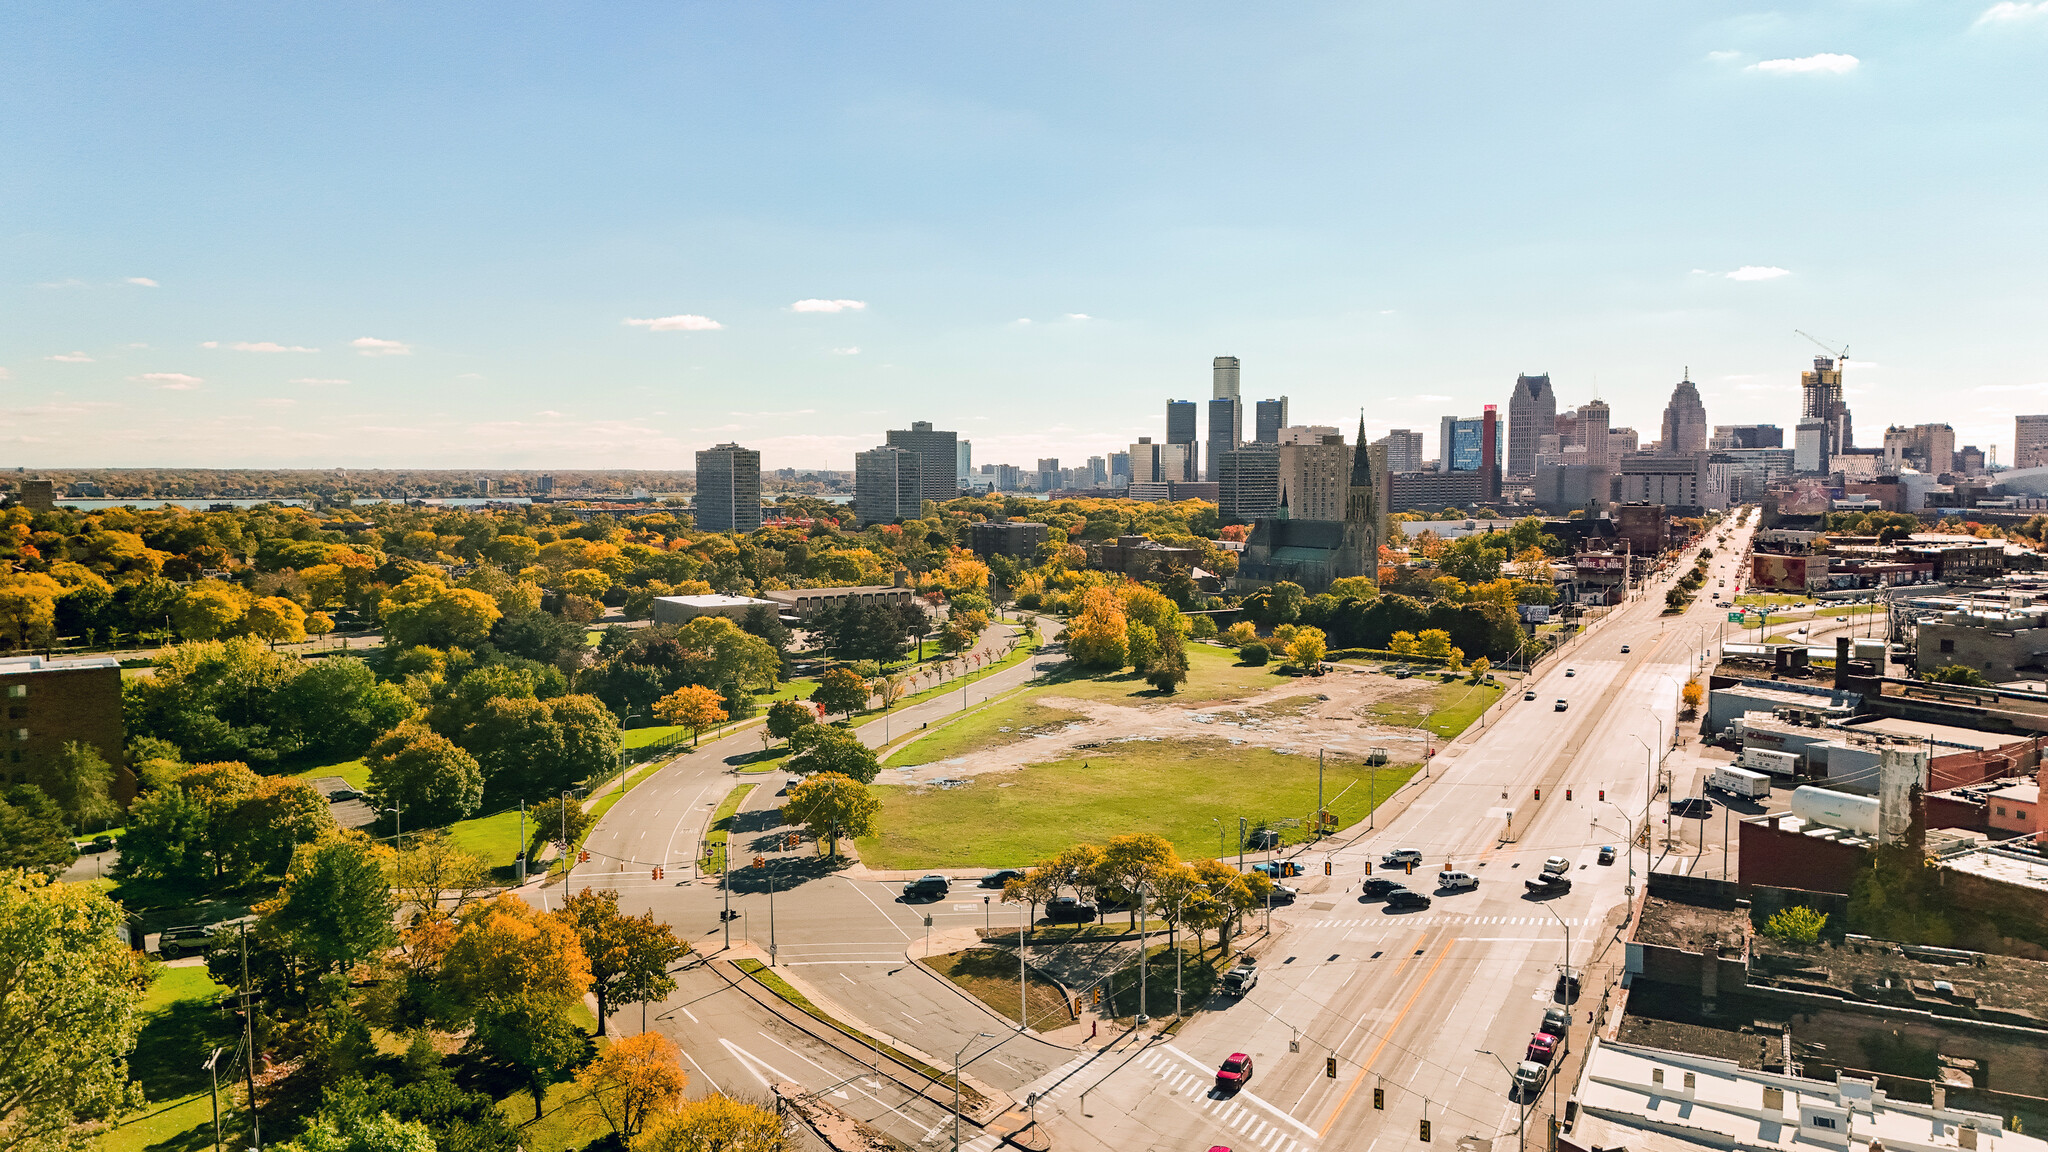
(2030, 442)
(1306, 433)
(1532, 413)
(1226, 409)
(938, 457)
(966, 458)
(1248, 483)
(1314, 473)
(1685, 421)
(1270, 416)
(1151, 463)
(728, 489)
(1403, 449)
(888, 484)
(1119, 469)
(1728, 437)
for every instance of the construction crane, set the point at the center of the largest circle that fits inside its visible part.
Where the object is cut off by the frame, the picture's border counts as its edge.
(1840, 357)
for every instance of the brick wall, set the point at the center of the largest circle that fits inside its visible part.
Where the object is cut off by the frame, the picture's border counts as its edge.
(1789, 860)
(59, 705)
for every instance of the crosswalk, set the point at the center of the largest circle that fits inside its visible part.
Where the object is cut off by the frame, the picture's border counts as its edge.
(986, 1142)
(1447, 921)
(1251, 1124)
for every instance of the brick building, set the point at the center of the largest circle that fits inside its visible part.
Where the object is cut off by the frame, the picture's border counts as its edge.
(50, 703)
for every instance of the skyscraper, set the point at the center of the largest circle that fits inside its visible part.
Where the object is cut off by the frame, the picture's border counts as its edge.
(1403, 449)
(1685, 421)
(1149, 463)
(1820, 401)
(1226, 409)
(1181, 417)
(888, 484)
(1469, 443)
(1048, 473)
(1270, 417)
(1248, 483)
(1313, 474)
(1728, 437)
(728, 489)
(1532, 413)
(1593, 422)
(2030, 442)
(938, 457)
(966, 457)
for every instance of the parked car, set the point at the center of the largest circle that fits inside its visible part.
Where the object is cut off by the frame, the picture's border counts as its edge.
(1452, 880)
(1561, 706)
(1406, 898)
(1377, 888)
(1001, 876)
(96, 844)
(1241, 979)
(1529, 695)
(1066, 909)
(1606, 854)
(1541, 1047)
(1529, 1077)
(1556, 1021)
(175, 942)
(1235, 1073)
(342, 794)
(1692, 807)
(927, 888)
(1400, 856)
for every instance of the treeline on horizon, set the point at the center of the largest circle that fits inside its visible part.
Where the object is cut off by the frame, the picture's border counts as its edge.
(338, 484)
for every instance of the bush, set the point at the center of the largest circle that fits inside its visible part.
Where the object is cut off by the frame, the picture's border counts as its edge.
(1796, 925)
(1254, 654)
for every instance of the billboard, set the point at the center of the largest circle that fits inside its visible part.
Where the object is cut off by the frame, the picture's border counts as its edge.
(1535, 613)
(1773, 573)
(1602, 562)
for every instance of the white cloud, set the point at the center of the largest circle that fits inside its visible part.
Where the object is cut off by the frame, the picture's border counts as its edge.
(1023, 320)
(1079, 316)
(1758, 272)
(791, 412)
(828, 306)
(2010, 11)
(70, 358)
(683, 323)
(1831, 63)
(177, 381)
(850, 350)
(1723, 56)
(142, 282)
(552, 415)
(259, 346)
(315, 380)
(371, 346)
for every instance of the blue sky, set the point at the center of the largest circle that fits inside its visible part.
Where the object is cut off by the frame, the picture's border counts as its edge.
(351, 234)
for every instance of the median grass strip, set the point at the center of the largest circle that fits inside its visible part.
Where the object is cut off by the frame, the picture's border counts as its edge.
(990, 976)
(721, 826)
(1116, 927)
(776, 984)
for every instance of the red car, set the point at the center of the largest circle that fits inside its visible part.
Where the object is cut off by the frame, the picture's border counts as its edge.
(1234, 1073)
(1541, 1047)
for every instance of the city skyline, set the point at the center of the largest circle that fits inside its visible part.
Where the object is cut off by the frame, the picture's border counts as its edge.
(782, 233)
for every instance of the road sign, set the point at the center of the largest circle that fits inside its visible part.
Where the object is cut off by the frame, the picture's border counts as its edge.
(1736, 617)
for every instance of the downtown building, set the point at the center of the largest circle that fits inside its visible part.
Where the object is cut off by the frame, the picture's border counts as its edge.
(938, 456)
(1824, 430)
(1532, 415)
(1315, 466)
(888, 485)
(1226, 410)
(1685, 421)
(728, 489)
(2030, 442)
(1403, 449)
(1248, 482)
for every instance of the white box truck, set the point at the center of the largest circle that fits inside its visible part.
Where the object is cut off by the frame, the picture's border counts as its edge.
(1784, 764)
(1741, 782)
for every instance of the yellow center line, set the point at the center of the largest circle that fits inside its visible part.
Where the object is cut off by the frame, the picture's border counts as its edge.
(1385, 1037)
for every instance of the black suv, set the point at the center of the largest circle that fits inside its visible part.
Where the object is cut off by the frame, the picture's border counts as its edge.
(1066, 908)
(1375, 888)
(927, 888)
(1406, 898)
(185, 938)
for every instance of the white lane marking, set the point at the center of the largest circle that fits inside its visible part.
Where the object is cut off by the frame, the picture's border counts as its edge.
(904, 932)
(703, 1073)
(1246, 1095)
(753, 1064)
(828, 1072)
(693, 1018)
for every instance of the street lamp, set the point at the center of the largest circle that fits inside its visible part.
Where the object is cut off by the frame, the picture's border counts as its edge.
(956, 1083)
(1515, 1088)
(1648, 759)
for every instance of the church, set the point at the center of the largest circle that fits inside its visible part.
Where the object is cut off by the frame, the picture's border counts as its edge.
(1312, 553)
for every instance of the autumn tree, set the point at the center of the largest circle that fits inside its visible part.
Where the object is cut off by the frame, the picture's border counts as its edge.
(425, 775)
(1100, 636)
(1130, 863)
(831, 805)
(70, 1013)
(515, 974)
(719, 1123)
(1307, 649)
(636, 1080)
(436, 879)
(840, 690)
(629, 956)
(276, 620)
(692, 706)
(823, 748)
(423, 610)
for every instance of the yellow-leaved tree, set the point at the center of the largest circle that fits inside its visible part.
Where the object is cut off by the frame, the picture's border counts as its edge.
(1099, 636)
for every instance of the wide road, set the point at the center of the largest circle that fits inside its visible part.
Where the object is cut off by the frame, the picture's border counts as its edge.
(1431, 1007)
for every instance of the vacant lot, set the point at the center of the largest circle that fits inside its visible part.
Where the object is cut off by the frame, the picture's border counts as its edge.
(1445, 709)
(1192, 791)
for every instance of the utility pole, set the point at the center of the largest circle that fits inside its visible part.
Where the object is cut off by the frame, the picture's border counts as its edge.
(568, 852)
(1240, 843)
(1319, 793)
(1023, 1002)
(725, 882)
(522, 841)
(213, 1067)
(249, 1038)
(771, 921)
(1142, 958)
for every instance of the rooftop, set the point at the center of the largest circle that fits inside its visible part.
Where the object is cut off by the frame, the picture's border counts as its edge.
(1690, 926)
(2005, 865)
(2027, 793)
(715, 601)
(17, 665)
(1940, 981)
(1937, 733)
(1648, 1098)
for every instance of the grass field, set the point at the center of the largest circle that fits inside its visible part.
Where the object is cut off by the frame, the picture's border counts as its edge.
(181, 1026)
(1448, 708)
(1005, 722)
(1190, 791)
(990, 976)
(721, 825)
(495, 838)
(355, 772)
(1770, 600)
(1213, 674)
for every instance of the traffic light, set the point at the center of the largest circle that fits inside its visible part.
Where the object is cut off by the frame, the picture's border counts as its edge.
(1425, 1131)
(1379, 1098)
(654, 874)
(1330, 1067)
(760, 861)
(1603, 795)
(1567, 793)
(1368, 867)
(789, 841)
(1326, 867)
(1077, 1005)
(1539, 793)
(1098, 995)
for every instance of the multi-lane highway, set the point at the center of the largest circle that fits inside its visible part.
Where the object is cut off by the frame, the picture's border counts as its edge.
(1423, 1010)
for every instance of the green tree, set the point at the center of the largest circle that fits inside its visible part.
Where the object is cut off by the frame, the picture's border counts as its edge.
(166, 838)
(79, 781)
(1255, 654)
(364, 1132)
(1797, 924)
(424, 611)
(336, 907)
(1168, 670)
(722, 653)
(32, 831)
(210, 609)
(1959, 674)
(337, 707)
(1434, 642)
(424, 775)
(1141, 644)
(70, 1013)
(629, 956)
(832, 805)
(839, 690)
(558, 819)
(824, 748)
(786, 716)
